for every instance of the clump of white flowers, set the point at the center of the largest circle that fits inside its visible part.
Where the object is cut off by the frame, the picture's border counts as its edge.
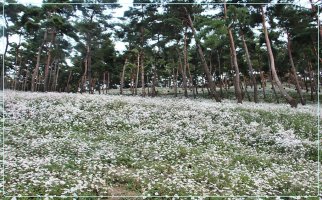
(96, 145)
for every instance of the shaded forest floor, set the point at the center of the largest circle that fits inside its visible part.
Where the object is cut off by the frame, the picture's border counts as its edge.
(110, 145)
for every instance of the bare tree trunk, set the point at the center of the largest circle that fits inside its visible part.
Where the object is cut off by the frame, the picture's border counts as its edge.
(272, 82)
(69, 78)
(238, 91)
(175, 81)
(108, 82)
(183, 73)
(251, 70)
(53, 36)
(203, 60)
(191, 86)
(89, 69)
(132, 81)
(293, 70)
(289, 99)
(26, 80)
(142, 74)
(56, 78)
(153, 80)
(312, 81)
(84, 77)
(185, 59)
(137, 76)
(122, 77)
(36, 70)
(263, 83)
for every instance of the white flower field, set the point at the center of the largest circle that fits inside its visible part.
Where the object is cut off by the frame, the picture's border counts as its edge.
(109, 145)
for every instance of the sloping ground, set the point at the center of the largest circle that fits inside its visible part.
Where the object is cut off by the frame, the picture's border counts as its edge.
(73, 144)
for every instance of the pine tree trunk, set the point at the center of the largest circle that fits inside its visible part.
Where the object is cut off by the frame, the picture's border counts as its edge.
(272, 82)
(251, 70)
(108, 82)
(185, 59)
(288, 98)
(175, 81)
(122, 77)
(137, 75)
(312, 81)
(53, 36)
(183, 73)
(203, 60)
(56, 79)
(142, 74)
(36, 70)
(69, 78)
(89, 70)
(238, 91)
(84, 79)
(293, 70)
(16, 79)
(263, 83)
(153, 81)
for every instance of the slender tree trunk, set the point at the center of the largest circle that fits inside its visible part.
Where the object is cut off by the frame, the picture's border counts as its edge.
(293, 70)
(191, 86)
(175, 81)
(183, 73)
(263, 83)
(153, 80)
(251, 70)
(245, 87)
(132, 81)
(185, 66)
(84, 78)
(203, 60)
(16, 64)
(104, 81)
(220, 78)
(272, 82)
(238, 91)
(56, 79)
(137, 76)
(69, 78)
(122, 77)
(89, 68)
(312, 81)
(53, 36)
(289, 99)
(36, 70)
(108, 82)
(142, 74)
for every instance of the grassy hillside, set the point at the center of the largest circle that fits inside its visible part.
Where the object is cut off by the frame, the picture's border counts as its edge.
(73, 144)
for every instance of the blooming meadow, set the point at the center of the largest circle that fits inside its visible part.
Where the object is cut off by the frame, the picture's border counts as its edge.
(103, 145)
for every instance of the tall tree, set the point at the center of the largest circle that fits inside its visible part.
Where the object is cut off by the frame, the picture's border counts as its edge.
(289, 99)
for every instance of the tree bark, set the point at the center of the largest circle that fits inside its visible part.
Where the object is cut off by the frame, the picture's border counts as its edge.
(288, 98)
(36, 70)
(153, 80)
(312, 81)
(137, 76)
(272, 82)
(203, 60)
(293, 70)
(142, 75)
(251, 70)
(53, 36)
(69, 78)
(238, 91)
(122, 77)
(56, 78)
(183, 73)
